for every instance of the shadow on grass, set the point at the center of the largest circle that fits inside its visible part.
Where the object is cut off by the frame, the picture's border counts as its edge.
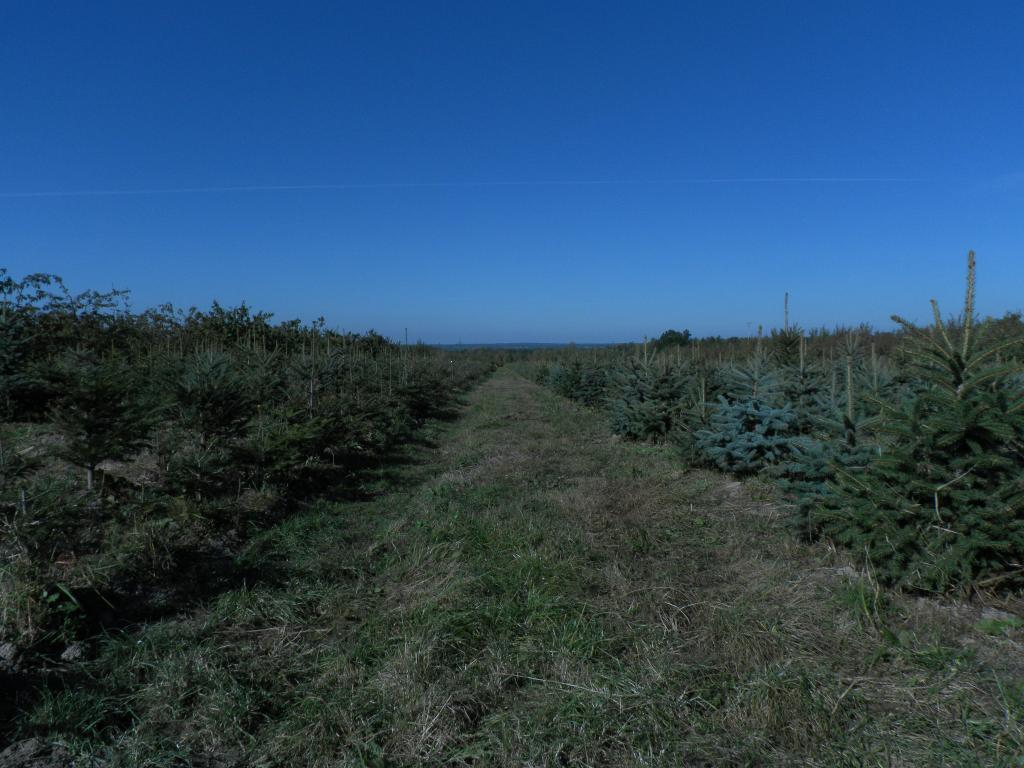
(200, 575)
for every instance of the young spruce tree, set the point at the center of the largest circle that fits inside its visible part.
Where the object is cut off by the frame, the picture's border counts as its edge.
(97, 413)
(942, 506)
(751, 428)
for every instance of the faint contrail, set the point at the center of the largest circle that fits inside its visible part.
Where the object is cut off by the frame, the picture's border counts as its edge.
(429, 184)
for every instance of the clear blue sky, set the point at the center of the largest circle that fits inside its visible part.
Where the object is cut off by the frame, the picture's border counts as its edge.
(451, 137)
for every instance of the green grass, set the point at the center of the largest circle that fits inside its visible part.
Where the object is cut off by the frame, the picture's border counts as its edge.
(538, 593)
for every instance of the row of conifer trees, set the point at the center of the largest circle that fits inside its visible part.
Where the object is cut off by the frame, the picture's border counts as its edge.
(913, 458)
(135, 445)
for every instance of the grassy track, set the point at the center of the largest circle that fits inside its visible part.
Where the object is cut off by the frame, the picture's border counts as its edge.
(538, 593)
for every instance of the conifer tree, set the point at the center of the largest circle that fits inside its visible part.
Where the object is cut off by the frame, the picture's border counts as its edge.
(943, 505)
(746, 436)
(565, 379)
(698, 408)
(646, 399)
(803, 382)
(15, 364)
(96, 414)
(593, 386)
(786, 345)
(751, 427)
(213, 398)
(833, 442)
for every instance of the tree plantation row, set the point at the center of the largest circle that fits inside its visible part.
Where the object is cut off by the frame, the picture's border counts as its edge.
(907, 448)
(140, 451)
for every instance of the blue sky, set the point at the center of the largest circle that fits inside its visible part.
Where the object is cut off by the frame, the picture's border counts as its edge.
(542, 171)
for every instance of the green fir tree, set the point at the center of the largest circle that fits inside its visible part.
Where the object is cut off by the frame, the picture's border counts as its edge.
(942, 506)
(97, 415)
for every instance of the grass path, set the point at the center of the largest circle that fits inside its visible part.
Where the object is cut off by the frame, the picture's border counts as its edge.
(539, 593)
